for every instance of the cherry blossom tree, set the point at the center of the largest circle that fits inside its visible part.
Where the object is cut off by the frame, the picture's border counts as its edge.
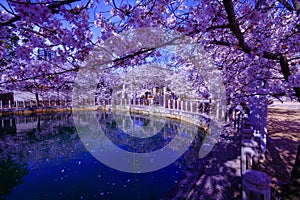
(253, 43)
(26, 27)
(249, 41)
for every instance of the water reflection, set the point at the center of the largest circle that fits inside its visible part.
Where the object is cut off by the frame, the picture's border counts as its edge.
(94, 138)
(42, 157)
(129, 134)
(38, 139)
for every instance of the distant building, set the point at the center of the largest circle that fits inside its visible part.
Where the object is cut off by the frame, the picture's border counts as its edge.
(45, 54)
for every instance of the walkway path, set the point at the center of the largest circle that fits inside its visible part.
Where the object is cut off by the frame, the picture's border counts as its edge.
(283, 139)
(221, 178)
(217, 176)
(292, 190)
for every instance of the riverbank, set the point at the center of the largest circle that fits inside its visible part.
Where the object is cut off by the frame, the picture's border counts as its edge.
(197, 118)
(28, 111)
(45, 110)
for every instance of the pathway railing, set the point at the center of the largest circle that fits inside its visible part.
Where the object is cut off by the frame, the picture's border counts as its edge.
(27, 104)
(187, 106)
(195, 106)
(191, 106)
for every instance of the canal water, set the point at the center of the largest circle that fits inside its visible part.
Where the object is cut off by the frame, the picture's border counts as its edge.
(44, 157)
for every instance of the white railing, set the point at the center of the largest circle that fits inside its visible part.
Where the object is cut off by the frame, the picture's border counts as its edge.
(25, 104)
(191, 106)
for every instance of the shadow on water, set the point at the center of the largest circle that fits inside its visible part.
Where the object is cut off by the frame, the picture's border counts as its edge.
(29, 142)
(11, 174)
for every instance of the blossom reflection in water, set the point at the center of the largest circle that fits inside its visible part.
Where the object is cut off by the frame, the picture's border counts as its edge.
(42, 157)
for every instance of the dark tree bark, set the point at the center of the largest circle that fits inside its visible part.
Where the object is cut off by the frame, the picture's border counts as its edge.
(234, 27)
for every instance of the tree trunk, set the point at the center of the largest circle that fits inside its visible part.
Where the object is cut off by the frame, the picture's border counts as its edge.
(234, 27)
(37, 99)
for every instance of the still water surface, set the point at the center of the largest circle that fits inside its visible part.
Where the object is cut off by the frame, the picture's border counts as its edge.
(43, 157)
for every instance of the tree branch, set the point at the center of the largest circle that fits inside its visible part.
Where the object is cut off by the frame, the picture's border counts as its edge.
(54, 6)
(287, 5)
(220, 42)
(234, 27)
(11, 21)
(218, 27)
(296, 4)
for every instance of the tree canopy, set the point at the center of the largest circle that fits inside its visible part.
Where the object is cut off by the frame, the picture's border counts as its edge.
(255, 44)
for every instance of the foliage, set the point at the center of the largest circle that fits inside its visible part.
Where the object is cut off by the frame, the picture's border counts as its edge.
(254, 43)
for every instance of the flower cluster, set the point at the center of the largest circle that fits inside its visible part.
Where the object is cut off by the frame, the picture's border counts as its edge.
(246, 41)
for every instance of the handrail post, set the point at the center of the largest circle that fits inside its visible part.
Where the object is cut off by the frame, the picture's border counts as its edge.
(210, 106)
(164, 96)
(186, 105)
(217, 110)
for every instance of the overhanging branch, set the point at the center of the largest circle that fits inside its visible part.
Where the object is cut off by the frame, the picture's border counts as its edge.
(234, 27)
